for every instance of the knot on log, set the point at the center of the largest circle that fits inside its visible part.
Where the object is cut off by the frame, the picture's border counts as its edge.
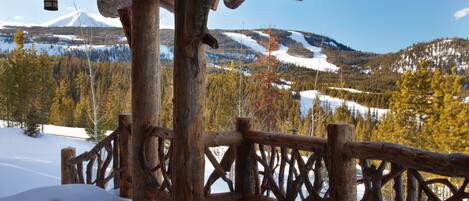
(209, 40)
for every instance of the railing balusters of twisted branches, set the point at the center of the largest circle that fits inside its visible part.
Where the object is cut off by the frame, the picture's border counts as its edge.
(103, 153)
(99, 170)
(283, 167)
(424, 171)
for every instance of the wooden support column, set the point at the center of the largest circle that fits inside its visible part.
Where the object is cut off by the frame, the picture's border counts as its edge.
(244, 178)
(342, 169)
(189, 97)
(145, 94)
(68, 172)
(125, 176)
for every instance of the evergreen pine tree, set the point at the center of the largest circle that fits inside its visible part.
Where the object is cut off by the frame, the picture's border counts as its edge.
(32, 123)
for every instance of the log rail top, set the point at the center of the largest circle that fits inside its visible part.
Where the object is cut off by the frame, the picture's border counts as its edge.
(452, 165)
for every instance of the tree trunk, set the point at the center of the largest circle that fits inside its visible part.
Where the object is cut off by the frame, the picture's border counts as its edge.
(145, 93)
(189, 98)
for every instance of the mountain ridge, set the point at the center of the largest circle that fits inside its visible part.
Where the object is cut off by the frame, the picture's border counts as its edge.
(299, 48)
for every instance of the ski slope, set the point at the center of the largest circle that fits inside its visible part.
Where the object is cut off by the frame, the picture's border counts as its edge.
(317, 62)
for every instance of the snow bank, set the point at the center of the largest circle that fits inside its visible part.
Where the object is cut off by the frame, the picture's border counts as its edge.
(307, 98)
(71, 192)
(32, 162)
(317, 62)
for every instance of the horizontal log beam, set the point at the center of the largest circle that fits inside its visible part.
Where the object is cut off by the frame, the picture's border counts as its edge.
(452, 165)
(287, 140)
(214, 139)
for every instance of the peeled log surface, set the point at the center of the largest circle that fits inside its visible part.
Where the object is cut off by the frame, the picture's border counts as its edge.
(285, 140)
(214, 139)
(452, 165)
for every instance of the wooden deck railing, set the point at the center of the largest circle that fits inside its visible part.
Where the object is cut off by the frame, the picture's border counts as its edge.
(283, 167)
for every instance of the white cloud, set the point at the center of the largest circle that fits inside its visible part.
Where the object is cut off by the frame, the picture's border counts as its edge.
(461, 13)
(18, 17)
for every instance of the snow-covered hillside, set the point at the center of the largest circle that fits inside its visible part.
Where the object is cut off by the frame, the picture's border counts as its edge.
(63, 47)
(439, 53)
(326, 101)
(317, 62)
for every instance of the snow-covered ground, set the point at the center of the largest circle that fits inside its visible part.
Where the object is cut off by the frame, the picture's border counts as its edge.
(27, 163)
(71, 132)
(307, 98)
(30, 167)
(317, 62)
(70, 192)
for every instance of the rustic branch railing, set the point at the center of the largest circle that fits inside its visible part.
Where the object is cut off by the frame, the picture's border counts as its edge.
(274, 166)
(412, 162)
(93, 167)
(101, 155)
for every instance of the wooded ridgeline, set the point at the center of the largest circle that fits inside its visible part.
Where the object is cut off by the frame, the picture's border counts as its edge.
(55, 90)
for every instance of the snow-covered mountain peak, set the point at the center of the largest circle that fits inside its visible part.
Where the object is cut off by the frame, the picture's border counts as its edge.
(76, 19)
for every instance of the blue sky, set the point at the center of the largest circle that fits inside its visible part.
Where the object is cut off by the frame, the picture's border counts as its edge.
(368, 25)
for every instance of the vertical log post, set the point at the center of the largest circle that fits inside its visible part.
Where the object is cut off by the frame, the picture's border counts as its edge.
(67, 171)
(244, 177)
(411, 187)
(189, 98)
(342, 169)
(125, 176)
(145, 94)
